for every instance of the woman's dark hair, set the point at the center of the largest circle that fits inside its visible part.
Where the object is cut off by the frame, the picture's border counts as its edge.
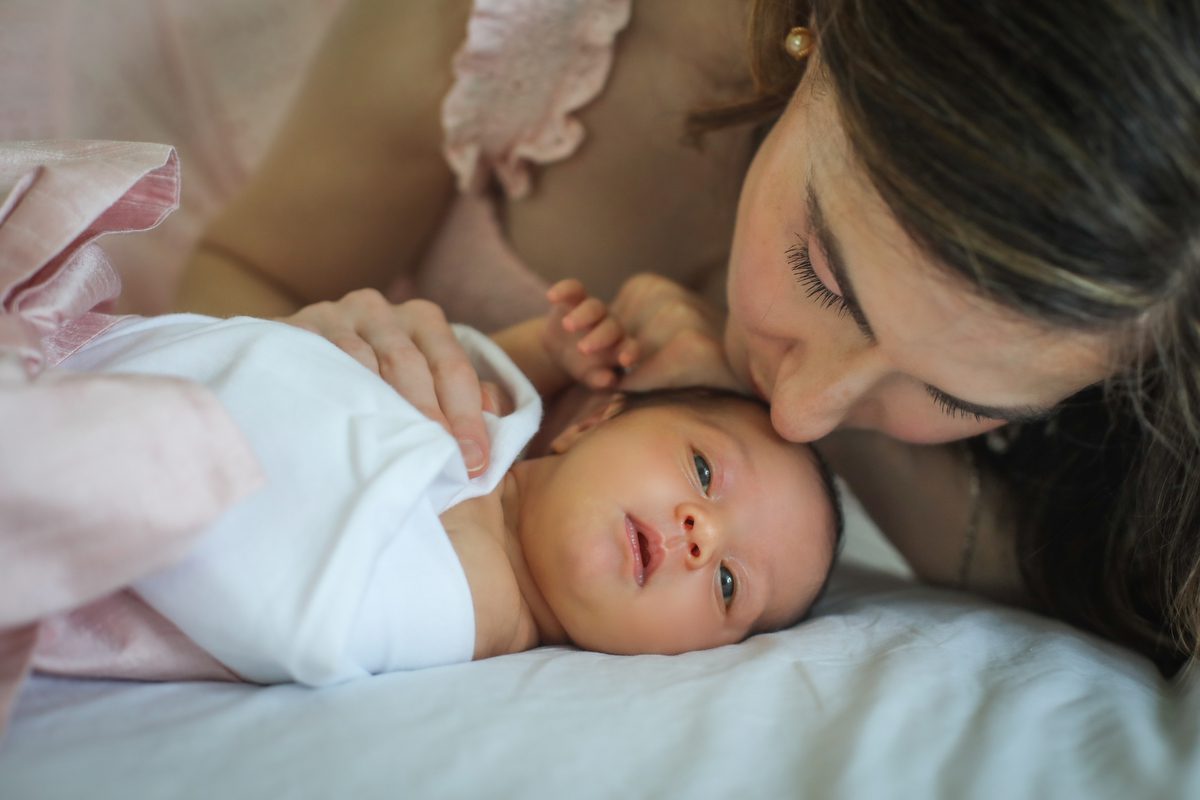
(1047, 153)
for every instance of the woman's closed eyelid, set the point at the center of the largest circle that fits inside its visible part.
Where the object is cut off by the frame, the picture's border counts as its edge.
(800, 259)
(948, 406)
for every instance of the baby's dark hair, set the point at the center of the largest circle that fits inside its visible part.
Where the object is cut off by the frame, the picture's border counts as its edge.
(712, 397)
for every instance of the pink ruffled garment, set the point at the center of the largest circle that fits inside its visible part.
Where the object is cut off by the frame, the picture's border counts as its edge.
(102, 478)
(510, 109)
(213, 79)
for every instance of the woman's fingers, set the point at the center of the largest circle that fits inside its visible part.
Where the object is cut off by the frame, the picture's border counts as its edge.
(459, 398)
(414, 349)
(496, 399)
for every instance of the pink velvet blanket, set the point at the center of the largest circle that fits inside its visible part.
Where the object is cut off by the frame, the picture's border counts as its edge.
(103, 479)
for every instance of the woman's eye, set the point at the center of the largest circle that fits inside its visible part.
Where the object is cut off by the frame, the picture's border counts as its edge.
(703, 471)
(728, 584)
(950, 408)
(802, 267)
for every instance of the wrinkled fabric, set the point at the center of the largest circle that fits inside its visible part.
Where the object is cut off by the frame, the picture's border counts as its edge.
(119, 636)
(102, 478)
(340, 567)
(212, 78)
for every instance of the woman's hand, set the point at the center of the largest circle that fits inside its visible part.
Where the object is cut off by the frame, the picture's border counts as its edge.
(677, 335)
(412, 347)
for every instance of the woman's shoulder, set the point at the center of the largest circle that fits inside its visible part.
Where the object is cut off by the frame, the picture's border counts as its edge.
(399, 45)
(712, 37)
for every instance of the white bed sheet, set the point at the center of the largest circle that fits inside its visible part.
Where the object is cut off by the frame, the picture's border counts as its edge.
(893, 690)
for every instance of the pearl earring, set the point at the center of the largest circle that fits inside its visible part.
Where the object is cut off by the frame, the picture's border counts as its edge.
(799, 43)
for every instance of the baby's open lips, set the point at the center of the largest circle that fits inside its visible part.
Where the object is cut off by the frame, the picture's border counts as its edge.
(646, 544)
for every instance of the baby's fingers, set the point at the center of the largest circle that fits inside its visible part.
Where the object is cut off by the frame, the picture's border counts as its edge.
(585, 315)
(601, 337)
(628, 353)
(568, 291)
(600, 378)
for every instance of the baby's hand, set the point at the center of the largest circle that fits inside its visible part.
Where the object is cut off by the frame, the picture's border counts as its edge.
(584, 338)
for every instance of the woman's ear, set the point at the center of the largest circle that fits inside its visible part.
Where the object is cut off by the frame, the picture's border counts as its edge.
(601, 409)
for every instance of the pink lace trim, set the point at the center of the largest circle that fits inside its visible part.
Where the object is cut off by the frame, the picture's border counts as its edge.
(525, 67)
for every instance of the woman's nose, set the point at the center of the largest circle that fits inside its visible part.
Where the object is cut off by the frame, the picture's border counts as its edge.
(699, 531)
(814, 393)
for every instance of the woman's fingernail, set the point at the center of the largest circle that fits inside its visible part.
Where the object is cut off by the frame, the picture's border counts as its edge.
(472, 454)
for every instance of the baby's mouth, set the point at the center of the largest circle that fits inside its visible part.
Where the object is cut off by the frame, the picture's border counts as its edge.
(646, 545)
(636, 544)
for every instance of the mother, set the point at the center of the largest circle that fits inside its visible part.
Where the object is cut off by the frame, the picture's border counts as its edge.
(966, 217)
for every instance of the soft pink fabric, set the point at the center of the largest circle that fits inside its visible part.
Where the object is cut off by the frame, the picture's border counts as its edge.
(214, 79)
(510, 109)
(210, 78)
(102, 478)
(59, 197)
(120, 636)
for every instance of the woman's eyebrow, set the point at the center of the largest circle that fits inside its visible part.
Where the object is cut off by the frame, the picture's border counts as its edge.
(831, 248)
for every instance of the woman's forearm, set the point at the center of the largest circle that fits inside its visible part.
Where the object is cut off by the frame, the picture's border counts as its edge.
(218, 284)
(354, 185)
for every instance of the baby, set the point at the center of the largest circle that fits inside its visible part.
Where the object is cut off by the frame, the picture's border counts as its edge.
(656, 523)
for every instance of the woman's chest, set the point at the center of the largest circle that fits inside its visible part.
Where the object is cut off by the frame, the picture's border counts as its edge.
(636, 197)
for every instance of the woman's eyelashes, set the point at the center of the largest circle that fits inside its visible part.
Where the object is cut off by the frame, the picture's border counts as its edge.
(703, 471)
(799, 258)
(951, 408)
(802, 267)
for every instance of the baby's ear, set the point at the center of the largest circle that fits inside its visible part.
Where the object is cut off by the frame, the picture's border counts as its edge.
(601, 408)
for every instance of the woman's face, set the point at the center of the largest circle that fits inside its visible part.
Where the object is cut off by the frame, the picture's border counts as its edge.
(840, 321)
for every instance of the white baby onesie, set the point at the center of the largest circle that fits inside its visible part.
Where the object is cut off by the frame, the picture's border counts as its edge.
(339, 567)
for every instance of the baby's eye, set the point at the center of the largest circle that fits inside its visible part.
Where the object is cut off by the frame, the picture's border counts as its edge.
(728, 584)
(703, 471)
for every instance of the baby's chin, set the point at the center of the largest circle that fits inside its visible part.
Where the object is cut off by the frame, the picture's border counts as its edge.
(646, 642)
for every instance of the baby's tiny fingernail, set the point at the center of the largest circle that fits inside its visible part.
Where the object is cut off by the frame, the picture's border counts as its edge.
(472, 454)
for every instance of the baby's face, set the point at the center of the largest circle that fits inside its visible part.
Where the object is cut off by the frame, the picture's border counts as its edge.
(668, 529)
